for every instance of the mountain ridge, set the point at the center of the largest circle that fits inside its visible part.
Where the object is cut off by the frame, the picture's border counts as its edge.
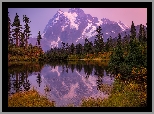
(74, 26)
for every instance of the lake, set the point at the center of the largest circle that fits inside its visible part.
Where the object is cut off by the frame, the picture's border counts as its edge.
(69, 82)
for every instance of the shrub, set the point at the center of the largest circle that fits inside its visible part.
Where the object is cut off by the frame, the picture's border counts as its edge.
(124, 94)
(29, 99)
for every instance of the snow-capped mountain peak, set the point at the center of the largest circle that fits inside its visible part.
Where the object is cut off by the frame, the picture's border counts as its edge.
(74, 26)
(71, 17)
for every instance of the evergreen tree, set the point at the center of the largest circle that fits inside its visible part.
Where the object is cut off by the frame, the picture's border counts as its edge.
(78, 48)
(99, 41)
(144, 33)
(143, 42)
(63, 46)
(26, 31)
(117, 57)
(133, 31)
(141, 33)
(125, 43)
(91, 50)
(96, 50)
(22, 40)
(107, 46)
(86, 46)
(66, 47)
(119, 50)
(17, 29)
(72, 48)
(134, 57)
(110, 44)
(9, 31)
(39, 38)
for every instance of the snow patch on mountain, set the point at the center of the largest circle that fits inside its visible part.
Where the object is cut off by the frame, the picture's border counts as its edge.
(113, 31)
(57, 18)
(54, 43)
(89, 34)
(99, 23)
(121, 26)
(63, 27)
(127, 26)
(78, 39)
(89, 21)
(87, 28)
(72, 18)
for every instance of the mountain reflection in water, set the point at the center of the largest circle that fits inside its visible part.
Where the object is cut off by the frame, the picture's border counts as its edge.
(69, 82)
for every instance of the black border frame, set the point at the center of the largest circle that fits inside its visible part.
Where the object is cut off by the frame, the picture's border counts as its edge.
(6, 5)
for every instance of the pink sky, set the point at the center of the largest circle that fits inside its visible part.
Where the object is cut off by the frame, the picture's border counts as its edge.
(40, 16)
(125, 15)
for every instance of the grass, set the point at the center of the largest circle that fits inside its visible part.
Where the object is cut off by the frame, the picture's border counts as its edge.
(92, 102)
(124, 94)
(29, 98)
(106, 88)
(100, 56)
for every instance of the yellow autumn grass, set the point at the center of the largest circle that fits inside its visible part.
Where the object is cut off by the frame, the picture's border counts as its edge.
(124, 94)
(29, 98)
(139, 71)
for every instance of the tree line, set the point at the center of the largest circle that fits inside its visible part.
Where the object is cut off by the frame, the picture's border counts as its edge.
(123, 54)
(134, 57)
(18, 47)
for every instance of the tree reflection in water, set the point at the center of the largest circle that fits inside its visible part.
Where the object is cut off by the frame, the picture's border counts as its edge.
(93, 71)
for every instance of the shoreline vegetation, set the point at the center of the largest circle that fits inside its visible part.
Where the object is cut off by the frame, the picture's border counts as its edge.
(30, 98)
(126, 59)
(124, 94)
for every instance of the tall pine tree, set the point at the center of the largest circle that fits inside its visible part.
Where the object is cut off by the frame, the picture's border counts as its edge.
(72, 48)
(99, 40)
(17, 29)
(9, 31)
(133, 31)
(117, 57)
(134, 57)
(22, 39)
(26, 31)
(39, 38)
(107, 45)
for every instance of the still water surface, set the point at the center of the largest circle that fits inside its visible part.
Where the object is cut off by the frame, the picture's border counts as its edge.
(68, 82)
